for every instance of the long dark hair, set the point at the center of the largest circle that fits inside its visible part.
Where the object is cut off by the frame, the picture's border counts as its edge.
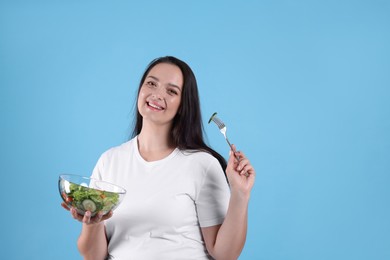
(187, 127)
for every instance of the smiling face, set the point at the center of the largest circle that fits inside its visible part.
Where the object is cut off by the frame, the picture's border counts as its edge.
(160, 95)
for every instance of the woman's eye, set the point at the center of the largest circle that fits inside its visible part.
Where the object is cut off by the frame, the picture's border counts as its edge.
(172, 92)
(151, 83)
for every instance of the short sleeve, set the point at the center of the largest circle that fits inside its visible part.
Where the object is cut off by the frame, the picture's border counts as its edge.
(99, 168)
(213, 197)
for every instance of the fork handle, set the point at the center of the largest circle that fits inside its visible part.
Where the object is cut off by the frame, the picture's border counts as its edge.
(238, 159)
(231, 148)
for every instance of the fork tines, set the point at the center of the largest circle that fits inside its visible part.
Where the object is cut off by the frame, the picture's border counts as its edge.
(216, 120)
(219, 123)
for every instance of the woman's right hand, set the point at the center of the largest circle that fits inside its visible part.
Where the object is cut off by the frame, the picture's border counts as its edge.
(87, 219)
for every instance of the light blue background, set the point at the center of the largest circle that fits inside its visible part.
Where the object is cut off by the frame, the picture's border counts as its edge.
(302, 85)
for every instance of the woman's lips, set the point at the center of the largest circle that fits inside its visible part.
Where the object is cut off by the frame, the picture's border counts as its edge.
(154, 105)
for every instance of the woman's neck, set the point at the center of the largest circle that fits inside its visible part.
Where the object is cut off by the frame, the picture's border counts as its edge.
(154, 142)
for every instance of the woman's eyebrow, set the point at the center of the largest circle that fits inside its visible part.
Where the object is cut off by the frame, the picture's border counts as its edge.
(153, 77)
(170, 84)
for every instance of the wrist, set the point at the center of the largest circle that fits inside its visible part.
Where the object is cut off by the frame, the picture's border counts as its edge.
(240, 196)
(93, 226)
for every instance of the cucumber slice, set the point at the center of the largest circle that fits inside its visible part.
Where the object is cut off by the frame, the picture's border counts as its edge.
(212, 116)
(89, 205)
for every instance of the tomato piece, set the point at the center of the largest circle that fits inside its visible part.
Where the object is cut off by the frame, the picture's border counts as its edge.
(69, 199)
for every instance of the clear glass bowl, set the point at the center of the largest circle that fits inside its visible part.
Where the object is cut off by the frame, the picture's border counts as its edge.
(88, 194)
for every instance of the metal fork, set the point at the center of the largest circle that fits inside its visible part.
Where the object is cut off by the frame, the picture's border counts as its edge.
(222, 129)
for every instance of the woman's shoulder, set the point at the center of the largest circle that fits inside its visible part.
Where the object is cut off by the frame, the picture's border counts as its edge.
(199, 155)
(120, 149)
(202, 163)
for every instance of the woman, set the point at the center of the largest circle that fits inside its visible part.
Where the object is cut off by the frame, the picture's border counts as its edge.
(179, 204)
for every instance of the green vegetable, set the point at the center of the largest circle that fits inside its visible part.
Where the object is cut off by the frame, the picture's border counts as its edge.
(89, 205)
(212, 116)
(94, 200)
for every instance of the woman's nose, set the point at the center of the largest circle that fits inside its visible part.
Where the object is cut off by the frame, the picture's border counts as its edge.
(157, 96)
(158, 92)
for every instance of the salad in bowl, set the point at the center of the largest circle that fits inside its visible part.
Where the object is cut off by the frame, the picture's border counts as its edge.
(89, 194)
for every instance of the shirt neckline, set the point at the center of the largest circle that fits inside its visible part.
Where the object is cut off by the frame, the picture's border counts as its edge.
(151, 163)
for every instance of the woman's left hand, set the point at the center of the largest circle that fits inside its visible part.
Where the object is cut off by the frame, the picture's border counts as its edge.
(241, 174)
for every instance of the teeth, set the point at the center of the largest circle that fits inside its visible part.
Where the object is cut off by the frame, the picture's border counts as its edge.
(157, 107)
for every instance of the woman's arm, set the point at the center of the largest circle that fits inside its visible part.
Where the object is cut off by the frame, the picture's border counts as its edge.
(226, 241)
(92, 242)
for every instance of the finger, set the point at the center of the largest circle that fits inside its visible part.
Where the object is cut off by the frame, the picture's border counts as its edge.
(250, 173)
(231, 164)
(241, 155)
(233, 148)
(87, 217)
(231, 159)
(74, 214)
(108, 215)
(235, 152)
(238, 157)
(246, 171)
(65, 206)
(243, 163)
(97, 218)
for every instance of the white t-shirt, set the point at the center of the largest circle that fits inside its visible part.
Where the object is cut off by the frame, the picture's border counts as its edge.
(166, 203)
